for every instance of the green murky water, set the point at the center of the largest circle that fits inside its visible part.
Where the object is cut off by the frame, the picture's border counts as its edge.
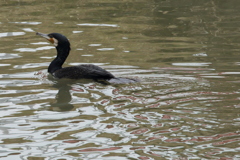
(186, 55)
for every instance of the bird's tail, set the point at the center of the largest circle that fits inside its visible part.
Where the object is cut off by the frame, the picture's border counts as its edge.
(121, 80)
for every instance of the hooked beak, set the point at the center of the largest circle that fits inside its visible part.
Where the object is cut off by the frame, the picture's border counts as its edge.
(46, 36)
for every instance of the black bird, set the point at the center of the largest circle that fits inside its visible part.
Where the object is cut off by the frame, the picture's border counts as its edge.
(85, 71)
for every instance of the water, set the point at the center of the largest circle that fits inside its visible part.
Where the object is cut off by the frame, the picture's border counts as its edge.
(186, 55)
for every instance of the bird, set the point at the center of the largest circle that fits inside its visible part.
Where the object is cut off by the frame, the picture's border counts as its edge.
(84, 71)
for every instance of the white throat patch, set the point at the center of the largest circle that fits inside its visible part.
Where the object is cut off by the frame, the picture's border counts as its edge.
(55, 42)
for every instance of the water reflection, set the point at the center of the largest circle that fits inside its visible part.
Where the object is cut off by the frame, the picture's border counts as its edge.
(63, 98)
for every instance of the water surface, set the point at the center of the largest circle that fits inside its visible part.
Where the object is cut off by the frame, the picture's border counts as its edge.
(186, 55)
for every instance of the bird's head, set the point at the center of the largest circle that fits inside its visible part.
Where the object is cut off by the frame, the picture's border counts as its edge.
(56, 39)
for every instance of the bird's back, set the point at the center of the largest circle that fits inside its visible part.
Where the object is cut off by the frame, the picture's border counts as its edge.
(87, 71)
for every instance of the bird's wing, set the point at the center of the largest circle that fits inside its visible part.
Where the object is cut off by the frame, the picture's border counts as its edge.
(87, 71)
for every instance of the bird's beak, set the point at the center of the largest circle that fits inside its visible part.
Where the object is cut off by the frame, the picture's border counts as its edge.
(46, 36)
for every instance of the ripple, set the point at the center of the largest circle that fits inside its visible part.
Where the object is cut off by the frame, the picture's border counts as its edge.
(34, 49)
(94, 44)
(87, 55)
(191, 64)
(106, 49)
(40, 43)
(9, 34)
(100, 25)
(200, 55)
(2, 65)
(28, 30)
(77, 31)
(30, 65)
(50, 115)
(26, 49)
(18, 75)
(58, 23)
(30, 23)
(121, 66)
(18, 83)
(98, 64)
(9, 56)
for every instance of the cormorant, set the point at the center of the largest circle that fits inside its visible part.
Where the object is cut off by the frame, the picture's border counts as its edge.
(85, 71)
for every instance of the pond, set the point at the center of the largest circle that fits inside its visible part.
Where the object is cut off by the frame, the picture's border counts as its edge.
(184, 53)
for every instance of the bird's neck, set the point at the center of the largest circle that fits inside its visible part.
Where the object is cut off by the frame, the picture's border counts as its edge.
(62, 54)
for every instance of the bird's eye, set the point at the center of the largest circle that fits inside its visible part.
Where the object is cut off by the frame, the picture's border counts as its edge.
(50, 36)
